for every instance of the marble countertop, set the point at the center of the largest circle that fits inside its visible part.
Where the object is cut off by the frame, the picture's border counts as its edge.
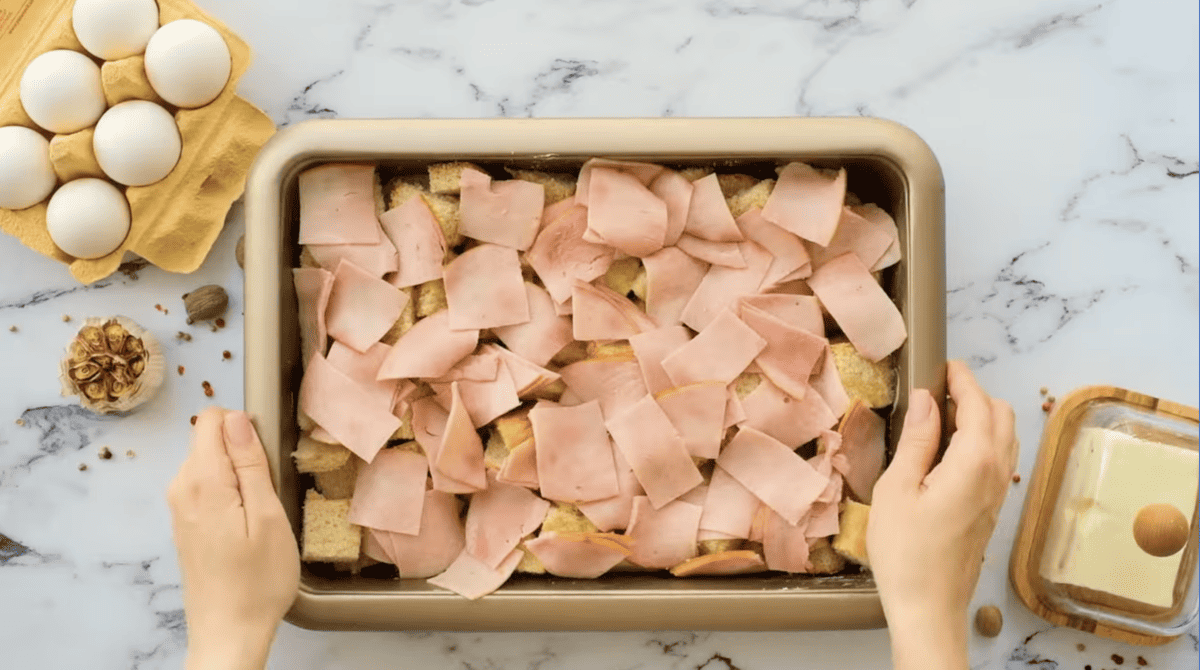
(1067, 132)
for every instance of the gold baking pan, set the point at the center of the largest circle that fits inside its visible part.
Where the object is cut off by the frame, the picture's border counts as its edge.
(886, 163)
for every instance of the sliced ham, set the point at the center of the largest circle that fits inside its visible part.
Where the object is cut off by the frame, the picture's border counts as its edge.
(484, 400)
(801, 311)
(435, 547)
(485, 289)
(734, 412)
(419, 241)
(373, 546)
(791, 353)
(337, 205)
(481, 367)
(708, 215)
(550, 213)
(613, 513)
(791, 258)
(721, 287)
(740, 562)
(507, 213)
(651, 347)
(377, 259)
(498, 518)
(313, 286)
(624, 214)
(390, 491)
(729, 507)
(528, 378)
(615, 383)
(361, 307)
(672, 277)
(854, 235)
(574, 458)
(698, 413)
(429, 422)
(864, 312)
(544, 335)
(785, 546)
(428, 350)
(724, 254)
(345, 408)
(784, 481)
(645, 173)
(828, 383)
(576, 555)
(783, 417)
(720, 352)
(863, 442)
(363, 367)
(882, 220)
(663, 537)
(460, 455)
(676, 192)
(807, 202)
(655, 451)
(560, 255)
(473, 579)
(520, 467)
(601, 313)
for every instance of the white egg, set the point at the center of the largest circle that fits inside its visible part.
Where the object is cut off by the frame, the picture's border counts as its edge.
(88, 218)
(188, 63)
(137, 143)
(114, 29)
(26, 175)
(61, 92)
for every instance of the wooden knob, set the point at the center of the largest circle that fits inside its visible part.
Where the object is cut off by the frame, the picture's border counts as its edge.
(1160, 529)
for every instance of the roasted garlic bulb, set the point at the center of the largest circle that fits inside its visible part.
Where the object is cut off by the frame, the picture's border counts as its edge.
(113, 365)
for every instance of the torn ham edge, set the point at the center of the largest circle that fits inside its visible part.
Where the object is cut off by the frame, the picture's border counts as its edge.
(601, 313)
(624, 214)
(613, 513)
(778, 414)
(698, 413)
(507, 213)
(520, 467)
(337, 205)
(791, 258)
(828, 383)
(429, 426)
(645, 173)
(774, 473)
(363, 367)
(664, 537)
(616, 383)
(373, 546)
(734, 412)
(807, 202)
(574, 457)
(721, 287)
(785, 545)
(724, 254)
(801, 311)
(485, 401)
(720, 352)
(560, 255)
(860, 307)
(480, 367)
(428, 350)
(672, 277)
(313, 286)
(435, 547)
(419, 242)
(390, 492)
(708, 216)
(729, 507)
(577, 555)
(345, 409)
(651, 347)
(854, 235)
(725, 563)
(881, 219)
(498, 518)
(544, 335)
(377, 259)
(676, 192)
(655, 451)
(460, 455)
(863, 442)
(485, 289)
(791, 353)
(362, 308)
(472, 579)
(528, 378)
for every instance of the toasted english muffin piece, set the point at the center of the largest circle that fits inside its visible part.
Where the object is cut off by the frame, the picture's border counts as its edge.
(825, 561)
(639, 287)
(405, 431)
(326, 532)
(445, 208)
(745, 383)
(530, 564)
(617, 350)
(556, 186)
(312, 456)
(622, 273)
(566, 518)
(307, 260)
(851, 540)
(872, 382)
(380, 196)
(406, 320)
(572, 353)
(694, 173)
(732, 184)
(430, 298)
(706, 547)
(755, 196)
(338, 484)
(447, 177)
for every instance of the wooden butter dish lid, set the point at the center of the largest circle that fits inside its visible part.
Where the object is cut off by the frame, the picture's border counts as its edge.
(1108, 537)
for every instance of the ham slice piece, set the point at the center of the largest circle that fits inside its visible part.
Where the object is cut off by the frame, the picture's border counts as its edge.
(801, 311)
(791, 353)
(498, 518)
(708, 215)
(734, 412)
(676, 192)
(729, 507)
(363, 368)
(377, 259)
(520, 468)
(740, 562)
(807, 202)
(528, 378)
(863, 442)
(560, 255)
(613, 513)
(361, 307)
(720, 352)
(313, 286)
(337, 205)
(419, 242)
(651, 347)
(507, 213)
(721, 287)
(460, 456)
(882, 220)
(603, 314)
(828, 383)
(574, 458)
(481, 367)
(345, 409)
(483, 400)
(791, 258)
(624, 214)
(435, 547)
(854, 235)
(373, 546)
(544, 335)
(616, 383)
(783, 417)
(724, 254)
(672, 277)
(577, 555)
(785, 546)
(864, 312)
(428, 350)
(663, 537)
(390, 492)
(655, 451)
(698, 413)
(485, 289)
(429, 426)
(473, 579)
(784, 481)
(644, 173)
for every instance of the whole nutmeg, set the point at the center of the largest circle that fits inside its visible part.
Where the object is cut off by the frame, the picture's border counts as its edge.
(206, 302)
(239, 252)
(989, 621)
(1160, 529)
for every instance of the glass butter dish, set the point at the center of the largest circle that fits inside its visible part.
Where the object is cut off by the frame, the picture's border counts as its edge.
(1108, 537)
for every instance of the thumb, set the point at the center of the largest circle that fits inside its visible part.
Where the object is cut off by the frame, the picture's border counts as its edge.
(249, 463)
(918, 441)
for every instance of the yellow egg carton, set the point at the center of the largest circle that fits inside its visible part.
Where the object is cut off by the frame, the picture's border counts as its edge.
(174, 221)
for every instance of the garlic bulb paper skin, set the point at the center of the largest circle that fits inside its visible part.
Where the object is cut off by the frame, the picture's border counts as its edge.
(113, 365)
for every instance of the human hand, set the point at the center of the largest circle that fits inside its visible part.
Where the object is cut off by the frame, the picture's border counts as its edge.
(928, 529)
(237, 553)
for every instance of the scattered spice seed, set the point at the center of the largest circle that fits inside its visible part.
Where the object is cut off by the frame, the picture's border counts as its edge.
(12, 329)
(158, 307)
(1043, 390)
(220, 322)
(193, 420)
(1142, 661)
(1080, 647)
(66, 318)
(208, 389)
(105, 453)
(1118, 659)
(180, 369)
(1016, 478)
(129, 453)
(226, 354)
(1047, 405)
(82, 467)
(20, 422)
(183, 336)
(1051, 399)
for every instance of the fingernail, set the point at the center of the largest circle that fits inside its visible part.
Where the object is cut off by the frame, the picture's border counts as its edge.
(238, 429)
(920, 406)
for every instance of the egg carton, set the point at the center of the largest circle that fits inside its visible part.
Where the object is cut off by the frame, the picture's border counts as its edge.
(175, 221)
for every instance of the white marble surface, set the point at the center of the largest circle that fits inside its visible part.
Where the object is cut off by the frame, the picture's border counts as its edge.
(1067, 131)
